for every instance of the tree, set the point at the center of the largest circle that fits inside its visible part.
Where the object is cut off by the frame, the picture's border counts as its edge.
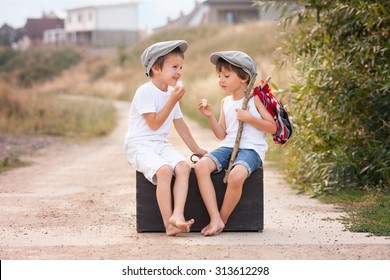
(341, 50)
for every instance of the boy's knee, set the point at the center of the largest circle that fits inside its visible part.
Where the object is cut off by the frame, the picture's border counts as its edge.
(237, 176)
(197, 167)
(183, 168)
(200, 167)
(204, 167)
(164, 171)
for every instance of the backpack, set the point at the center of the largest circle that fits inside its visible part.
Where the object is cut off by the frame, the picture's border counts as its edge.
(277, 111)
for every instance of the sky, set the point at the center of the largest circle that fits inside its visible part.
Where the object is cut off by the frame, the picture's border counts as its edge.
(152, 13)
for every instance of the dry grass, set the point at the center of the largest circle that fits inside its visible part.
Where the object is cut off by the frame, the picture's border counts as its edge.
(56, 115)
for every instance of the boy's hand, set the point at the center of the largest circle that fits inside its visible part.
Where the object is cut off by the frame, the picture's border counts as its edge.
(200, 152)
(243, 115)
(205, 110)
(178, 93)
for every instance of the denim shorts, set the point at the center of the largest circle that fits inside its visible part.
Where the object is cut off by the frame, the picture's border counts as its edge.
(246, 157)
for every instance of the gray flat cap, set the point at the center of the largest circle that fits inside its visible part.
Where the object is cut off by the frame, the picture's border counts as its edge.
(236, 58)
(152, 53)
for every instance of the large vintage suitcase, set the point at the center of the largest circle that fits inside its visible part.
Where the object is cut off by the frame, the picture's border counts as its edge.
(247, 216)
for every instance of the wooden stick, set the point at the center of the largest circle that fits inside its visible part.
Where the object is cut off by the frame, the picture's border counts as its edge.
(248, 95)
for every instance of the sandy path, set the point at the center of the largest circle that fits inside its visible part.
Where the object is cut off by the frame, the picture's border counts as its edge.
(77, 201)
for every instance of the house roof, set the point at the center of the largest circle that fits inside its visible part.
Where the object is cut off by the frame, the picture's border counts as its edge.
(104, 6)
(195, 17)
(36, 26)
(186, 19)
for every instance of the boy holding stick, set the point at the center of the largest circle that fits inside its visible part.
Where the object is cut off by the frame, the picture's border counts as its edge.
(236, 70)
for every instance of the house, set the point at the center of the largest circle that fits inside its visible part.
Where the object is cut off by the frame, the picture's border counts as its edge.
(216, 12)
(105, 25)
(228, 12)
(35, 28)
(198, 16)
(54, 37)
(232, 11)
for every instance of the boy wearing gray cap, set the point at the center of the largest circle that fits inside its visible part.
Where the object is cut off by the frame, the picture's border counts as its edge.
(236, 70)
(154, 108)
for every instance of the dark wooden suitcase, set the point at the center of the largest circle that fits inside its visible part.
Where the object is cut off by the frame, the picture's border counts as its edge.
(247, 216)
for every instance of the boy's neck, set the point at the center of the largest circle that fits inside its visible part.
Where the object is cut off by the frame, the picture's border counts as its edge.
(239, 94)
(160, 85)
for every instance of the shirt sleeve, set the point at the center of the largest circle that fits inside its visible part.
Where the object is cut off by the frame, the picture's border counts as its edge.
(144, 102)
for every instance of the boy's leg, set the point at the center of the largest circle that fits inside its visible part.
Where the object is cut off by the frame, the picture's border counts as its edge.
(203, 169)
(246, 161)
(180, 190)
(233, 192)
(176, 222)
(163, 192)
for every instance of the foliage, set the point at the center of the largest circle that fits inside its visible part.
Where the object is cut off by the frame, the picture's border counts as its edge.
(10, 162)
(10, 35)
(6, 55)
(341, 52)
(36, 65)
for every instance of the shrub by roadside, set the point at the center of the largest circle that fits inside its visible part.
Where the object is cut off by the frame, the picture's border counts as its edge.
(25, 68)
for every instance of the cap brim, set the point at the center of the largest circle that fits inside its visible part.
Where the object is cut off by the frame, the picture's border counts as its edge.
(214, 59)
(227, 56)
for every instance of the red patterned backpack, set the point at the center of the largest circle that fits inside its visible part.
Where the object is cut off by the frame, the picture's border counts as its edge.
(277, 111)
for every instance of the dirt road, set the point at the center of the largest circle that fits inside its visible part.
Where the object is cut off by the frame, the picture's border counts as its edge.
(77, 201)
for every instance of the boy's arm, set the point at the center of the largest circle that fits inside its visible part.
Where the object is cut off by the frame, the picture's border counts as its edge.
(266, 124)
(185, 134)
(218, 127)
(156, 120)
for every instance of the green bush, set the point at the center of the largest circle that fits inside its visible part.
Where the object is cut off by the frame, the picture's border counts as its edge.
(341, 51)
(36, 65)
(6, 55)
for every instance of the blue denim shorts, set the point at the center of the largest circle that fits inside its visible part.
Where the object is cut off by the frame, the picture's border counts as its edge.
(246, 157)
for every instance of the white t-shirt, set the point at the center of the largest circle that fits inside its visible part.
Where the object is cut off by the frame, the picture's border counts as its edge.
(149, 99)
(252, 138)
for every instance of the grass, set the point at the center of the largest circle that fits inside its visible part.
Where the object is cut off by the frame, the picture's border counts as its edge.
(10, 163)
(373, 218)
(367, 210)
(55, 115)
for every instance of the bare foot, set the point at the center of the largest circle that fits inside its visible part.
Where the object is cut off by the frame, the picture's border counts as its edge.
(204, 229)
(174, 227)
(213, 228)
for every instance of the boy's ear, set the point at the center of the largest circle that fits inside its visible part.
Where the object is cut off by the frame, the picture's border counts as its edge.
(155, 68)
(246, 80)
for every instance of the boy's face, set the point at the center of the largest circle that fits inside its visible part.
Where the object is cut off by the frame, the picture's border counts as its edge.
(229, 81)
(171, 70)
